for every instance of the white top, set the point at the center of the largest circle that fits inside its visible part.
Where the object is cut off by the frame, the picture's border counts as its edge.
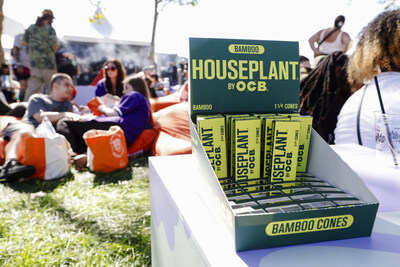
(330, 47)
(346, 127)
(23, 52)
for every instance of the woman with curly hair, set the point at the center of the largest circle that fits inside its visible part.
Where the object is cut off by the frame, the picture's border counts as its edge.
(376, 61)
(114, 73)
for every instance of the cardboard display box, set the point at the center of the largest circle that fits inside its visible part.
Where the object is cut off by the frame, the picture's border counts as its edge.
(253, 76)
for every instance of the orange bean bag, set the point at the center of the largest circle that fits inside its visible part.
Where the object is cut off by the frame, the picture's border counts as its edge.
(143, 143)
(170, 134)
(172, 123)
(158, 103)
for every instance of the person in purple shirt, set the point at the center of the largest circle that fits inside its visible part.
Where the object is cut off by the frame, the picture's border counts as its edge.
(132, 114)
(114, 73)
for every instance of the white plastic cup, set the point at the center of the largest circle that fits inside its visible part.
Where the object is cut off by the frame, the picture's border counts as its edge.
(387, 137)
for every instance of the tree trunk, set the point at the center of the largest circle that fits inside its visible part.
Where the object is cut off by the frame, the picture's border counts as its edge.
(2, 60)
(153, 34)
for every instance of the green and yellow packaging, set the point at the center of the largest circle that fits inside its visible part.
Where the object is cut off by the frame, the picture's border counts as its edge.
(230, 76)
(304, 142)
(267, 138)
(211, 131)
(228, 123)
(246, 149)
(285, 147)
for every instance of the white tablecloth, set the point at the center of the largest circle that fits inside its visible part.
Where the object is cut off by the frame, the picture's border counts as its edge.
(184, 233)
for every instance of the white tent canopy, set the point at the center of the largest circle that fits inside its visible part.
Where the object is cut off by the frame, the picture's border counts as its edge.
(10, 29)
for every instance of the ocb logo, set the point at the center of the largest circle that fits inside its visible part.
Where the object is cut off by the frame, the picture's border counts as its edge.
(116, 145)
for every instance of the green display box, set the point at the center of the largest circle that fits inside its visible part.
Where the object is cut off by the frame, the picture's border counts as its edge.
(217, 92)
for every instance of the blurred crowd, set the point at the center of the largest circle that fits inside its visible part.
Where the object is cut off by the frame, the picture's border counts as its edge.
(40, 86)
(340, 91)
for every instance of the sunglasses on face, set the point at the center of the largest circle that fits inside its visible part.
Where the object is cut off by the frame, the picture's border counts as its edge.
(110, 68)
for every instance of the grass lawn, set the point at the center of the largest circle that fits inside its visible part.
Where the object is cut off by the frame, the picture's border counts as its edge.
(83, 219)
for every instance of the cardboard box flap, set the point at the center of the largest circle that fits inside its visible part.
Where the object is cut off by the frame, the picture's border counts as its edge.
(327, 165)
(208, 187)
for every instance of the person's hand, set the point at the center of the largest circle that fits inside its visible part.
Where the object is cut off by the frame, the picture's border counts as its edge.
(84, 109)
(107, 110)
(111, 100)
(72, 116)
(104, 109)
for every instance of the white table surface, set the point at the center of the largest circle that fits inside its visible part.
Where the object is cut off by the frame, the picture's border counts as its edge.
(176, 205)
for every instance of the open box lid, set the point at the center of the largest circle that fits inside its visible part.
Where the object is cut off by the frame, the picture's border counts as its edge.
(242, 76)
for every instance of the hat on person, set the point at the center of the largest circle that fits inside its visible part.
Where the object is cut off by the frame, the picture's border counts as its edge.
(47, 13)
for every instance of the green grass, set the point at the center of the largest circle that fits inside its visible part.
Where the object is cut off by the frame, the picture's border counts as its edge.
(83, 219)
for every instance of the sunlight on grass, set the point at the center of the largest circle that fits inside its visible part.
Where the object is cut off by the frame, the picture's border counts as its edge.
(85, 219)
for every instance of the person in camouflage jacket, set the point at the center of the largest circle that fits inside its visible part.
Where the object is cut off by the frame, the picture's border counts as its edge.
(42, 44)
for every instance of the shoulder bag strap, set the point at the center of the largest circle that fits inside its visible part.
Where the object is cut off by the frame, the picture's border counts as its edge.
(358, 116)
(326, 37)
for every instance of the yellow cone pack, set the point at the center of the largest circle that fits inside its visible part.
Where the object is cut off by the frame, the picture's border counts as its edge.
(246, 149)
(211, 131)
(285, 147)
(304, 142)
(267, 138)
(228, 123)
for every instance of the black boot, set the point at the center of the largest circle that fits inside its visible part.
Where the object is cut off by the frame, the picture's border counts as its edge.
(13, 170)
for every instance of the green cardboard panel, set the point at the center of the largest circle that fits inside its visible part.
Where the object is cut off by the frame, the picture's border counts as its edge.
(238, 76)
(282, 229)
